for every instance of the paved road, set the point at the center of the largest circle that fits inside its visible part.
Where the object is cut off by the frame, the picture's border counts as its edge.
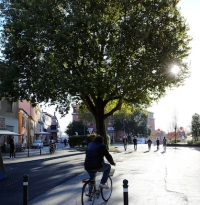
(45, 172)
(155, 178)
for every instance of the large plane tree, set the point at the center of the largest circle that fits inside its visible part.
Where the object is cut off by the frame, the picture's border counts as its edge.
(96, 52)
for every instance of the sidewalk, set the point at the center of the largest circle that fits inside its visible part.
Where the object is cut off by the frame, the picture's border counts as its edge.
(39, 154)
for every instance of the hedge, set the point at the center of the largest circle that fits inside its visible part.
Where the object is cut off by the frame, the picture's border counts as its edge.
(83, 140)
(80, 140)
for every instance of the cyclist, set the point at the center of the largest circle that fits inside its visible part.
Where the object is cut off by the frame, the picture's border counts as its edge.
(164, 144)
(158, 143)
(125, 142)
(149, 142)
(135, 143)
(94, 160)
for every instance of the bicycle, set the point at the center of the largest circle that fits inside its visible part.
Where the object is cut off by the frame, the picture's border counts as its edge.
(52, 148)
(23, 149)
(91, 191)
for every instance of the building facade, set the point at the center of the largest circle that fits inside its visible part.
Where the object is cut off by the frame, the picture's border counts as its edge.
(28, 121)
(114, 135)
(9, 119)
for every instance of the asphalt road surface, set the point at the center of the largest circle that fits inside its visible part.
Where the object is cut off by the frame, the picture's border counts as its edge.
(44, 174)
(154, 178)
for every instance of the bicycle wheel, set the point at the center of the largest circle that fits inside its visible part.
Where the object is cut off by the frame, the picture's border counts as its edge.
(106, 193)
(87, 193)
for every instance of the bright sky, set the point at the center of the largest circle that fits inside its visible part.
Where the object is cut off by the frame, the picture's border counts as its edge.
(183, 101)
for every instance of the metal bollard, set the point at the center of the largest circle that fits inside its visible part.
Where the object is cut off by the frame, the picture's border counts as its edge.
(125, 190)
(25, 189)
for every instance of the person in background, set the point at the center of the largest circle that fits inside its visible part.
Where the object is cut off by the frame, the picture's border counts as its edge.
(164, 144)
(149, 142)
(12, 148)
(65, 142)
(158, 143)
(135, 143)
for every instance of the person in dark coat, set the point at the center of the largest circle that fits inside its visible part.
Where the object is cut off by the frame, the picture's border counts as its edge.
(135, 143)
(12, 148)
(94, 160)
(158, 143)
(65, 142)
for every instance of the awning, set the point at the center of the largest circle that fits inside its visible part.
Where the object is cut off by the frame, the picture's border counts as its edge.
(7, 132)
(43, 133)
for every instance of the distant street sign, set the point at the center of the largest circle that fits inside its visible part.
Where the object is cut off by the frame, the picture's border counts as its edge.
(90, 130)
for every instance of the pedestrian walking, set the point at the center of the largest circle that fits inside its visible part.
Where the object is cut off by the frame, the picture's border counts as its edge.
(164, 144)
(65, 142)
(125, 142)
(135, 143)
(12, 148)
(158, 143)
(149, 142)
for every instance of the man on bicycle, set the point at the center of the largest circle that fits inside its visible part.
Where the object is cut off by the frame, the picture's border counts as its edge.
(94, 160)
(164, 143)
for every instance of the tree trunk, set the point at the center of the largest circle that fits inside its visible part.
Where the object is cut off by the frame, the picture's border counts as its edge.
(101, 129)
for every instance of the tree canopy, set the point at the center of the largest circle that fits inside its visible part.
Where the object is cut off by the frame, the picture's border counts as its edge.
(195, 125)
(91, 51)
(132, 124)
(76, 127)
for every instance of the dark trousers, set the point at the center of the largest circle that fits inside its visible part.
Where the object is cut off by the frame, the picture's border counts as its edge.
(135, 146)
(11, 152)
(106, 171)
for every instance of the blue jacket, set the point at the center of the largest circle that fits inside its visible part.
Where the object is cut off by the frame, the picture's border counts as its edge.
(95, 154)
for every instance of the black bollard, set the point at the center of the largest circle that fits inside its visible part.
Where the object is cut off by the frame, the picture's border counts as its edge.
(125, 190)
(25, 189)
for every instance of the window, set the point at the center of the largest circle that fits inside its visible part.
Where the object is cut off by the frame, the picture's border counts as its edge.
(9, 106)
(10, 128)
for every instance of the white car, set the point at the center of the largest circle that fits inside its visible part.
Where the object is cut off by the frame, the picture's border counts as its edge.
(37, 144)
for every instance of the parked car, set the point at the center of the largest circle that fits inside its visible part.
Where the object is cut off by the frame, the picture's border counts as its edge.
(47, 142)
(37, 144)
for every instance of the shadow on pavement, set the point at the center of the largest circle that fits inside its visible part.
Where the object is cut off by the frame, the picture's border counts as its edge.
(146, 152)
